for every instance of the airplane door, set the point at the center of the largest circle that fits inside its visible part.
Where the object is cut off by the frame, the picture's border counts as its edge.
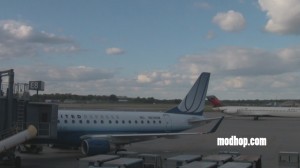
(168, 122)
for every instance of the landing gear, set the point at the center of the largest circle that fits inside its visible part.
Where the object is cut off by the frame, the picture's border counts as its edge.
(30, 148)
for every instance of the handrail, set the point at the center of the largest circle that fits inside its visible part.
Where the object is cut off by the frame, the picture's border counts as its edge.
(8, 132)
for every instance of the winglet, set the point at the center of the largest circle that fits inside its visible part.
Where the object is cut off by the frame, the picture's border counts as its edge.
(214, 129)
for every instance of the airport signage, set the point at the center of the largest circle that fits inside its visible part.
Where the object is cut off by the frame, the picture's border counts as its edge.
(37, 85)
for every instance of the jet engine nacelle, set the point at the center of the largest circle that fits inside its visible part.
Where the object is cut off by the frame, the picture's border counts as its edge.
(95, 146)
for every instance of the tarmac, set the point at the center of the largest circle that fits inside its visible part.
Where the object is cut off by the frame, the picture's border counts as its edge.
(282, 134)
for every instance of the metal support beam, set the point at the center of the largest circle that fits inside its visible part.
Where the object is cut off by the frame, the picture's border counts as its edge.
(10, 93)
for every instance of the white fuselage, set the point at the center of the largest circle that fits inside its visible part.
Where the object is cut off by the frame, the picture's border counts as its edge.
(261, 111)
(73, 124)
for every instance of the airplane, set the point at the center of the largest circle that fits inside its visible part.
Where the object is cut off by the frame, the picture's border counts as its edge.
(254, 111)
(99, 132)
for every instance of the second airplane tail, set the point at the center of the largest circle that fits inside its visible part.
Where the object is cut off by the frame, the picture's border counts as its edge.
(214, 101)
(194, 101)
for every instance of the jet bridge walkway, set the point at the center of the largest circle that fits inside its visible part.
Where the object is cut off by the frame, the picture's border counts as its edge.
(17, 138)
(9, 139)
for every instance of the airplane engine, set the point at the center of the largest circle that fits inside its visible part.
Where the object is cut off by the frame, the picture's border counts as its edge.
(95, 146)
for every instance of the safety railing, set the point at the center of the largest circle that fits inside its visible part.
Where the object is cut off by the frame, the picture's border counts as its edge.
(8, 132)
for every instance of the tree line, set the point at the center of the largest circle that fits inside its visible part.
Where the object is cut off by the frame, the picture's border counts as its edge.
(63, 98)
(73, 98)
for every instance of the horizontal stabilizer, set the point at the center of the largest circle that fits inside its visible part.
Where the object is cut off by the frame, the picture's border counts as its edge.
(214, 129)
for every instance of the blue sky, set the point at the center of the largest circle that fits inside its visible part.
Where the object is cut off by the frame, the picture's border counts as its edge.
(154, 48)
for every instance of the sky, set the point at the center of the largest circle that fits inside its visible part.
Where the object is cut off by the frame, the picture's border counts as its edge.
(151, 48)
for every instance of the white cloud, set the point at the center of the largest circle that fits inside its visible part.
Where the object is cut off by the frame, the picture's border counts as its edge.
(114, 51)
(289, 55)
(16, 29)
(235, 82)
(242, 61)
(283, 16)
(18, 39)
(62, 74)
(230, 21)
(247, 73)
(142, 78)
(158, 78)
(236, 73)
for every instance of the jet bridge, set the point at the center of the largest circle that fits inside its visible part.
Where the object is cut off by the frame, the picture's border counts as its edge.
(18, 114)
(44, 117)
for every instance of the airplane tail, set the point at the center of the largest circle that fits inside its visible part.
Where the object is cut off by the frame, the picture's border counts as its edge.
(214, 101)
(194, 101)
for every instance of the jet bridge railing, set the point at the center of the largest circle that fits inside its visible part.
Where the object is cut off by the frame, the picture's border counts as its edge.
(7, 133)
(20, 90)
(44, 129)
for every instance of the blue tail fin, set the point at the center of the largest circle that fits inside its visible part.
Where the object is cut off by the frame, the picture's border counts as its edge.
(194, 101)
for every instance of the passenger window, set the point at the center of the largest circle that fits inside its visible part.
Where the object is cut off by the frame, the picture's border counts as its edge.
(142, 122)
(57, 121)
(117, 121)
(148, 121)
(80, 121)
(123, 122)
(109, 121)
(102, 121)
(73, 121)
(136, 121)
(66, 121)
(87, 121)
(95, 121)
(159, 121)
(154, 121)
(129, 121)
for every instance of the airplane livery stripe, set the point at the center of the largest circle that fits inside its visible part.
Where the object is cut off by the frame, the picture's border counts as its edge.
(194, 101)
(195, 96)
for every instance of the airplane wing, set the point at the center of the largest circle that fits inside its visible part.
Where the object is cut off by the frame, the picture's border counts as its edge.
(197, 122)
(137, 137)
